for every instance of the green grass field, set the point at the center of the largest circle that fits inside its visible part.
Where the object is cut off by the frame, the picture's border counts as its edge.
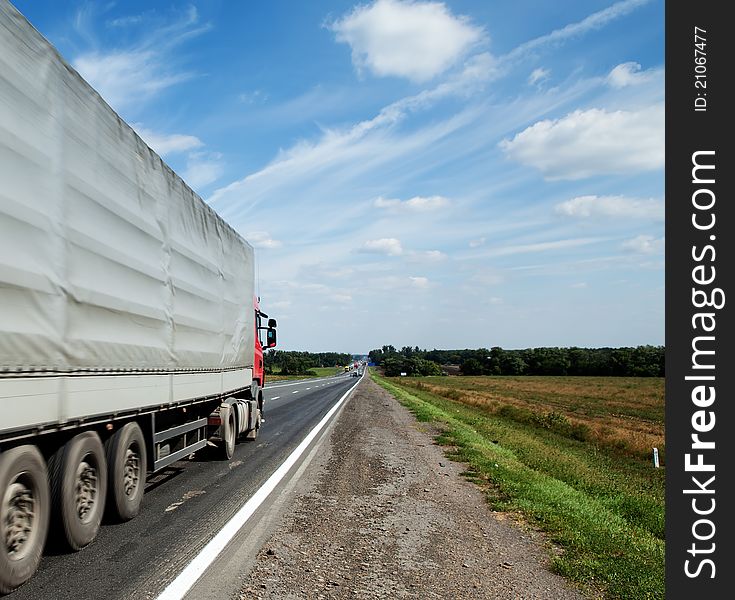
(319, 372)
(571, 455)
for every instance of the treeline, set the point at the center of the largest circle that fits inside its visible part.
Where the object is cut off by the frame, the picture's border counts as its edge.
(639, 361)
(291, 362)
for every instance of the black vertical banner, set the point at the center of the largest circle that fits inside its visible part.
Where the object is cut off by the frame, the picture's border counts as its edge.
(700, 296)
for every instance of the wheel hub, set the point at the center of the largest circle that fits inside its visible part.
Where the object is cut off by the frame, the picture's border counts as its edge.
(86, 492)
(19, 509)
(131, 475)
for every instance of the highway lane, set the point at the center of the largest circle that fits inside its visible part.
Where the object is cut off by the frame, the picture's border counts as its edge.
(184, 506)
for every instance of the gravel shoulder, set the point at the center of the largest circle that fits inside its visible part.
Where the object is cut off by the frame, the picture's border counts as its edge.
(382, 513)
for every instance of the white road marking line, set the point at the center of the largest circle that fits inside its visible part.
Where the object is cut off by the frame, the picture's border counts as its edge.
(178, 588)
(273, 386)
(275, 398)
(308, 388)
(295, 392)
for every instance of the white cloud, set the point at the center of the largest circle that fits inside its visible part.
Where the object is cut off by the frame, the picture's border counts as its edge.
(415, 204)
(592, 142)
(541, 246)
(476, 243)
(578, 286)
(593, 22)
(611, 206)
(388, 246)
(125, 21)
(644, 244)
(202, 168)
(419, 282)
(261, 239)
(416, 40)
(164, 143)
(538, 76)
(627, 74)
(254, 97)
(428, 256)
(129, 76)
(342, 298)
(366, 144)
(124, 77)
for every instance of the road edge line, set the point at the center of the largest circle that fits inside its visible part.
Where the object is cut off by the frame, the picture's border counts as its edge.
(180, 586)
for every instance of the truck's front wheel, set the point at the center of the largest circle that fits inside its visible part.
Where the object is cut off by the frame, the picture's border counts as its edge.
(228, 434)
(126, 467)
(78, 473)
(24, 514)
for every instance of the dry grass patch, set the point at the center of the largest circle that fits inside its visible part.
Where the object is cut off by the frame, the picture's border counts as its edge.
(625, 413)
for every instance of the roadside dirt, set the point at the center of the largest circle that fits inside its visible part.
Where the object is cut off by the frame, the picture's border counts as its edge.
(383, 514)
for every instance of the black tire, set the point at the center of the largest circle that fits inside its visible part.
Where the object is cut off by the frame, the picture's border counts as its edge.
(126, 457)
(226, 446)
(24, 514)
(78, 475)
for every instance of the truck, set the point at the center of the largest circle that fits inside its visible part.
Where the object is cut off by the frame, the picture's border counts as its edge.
(130, 333)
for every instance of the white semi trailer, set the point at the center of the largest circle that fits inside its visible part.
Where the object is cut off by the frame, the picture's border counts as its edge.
(129, 329)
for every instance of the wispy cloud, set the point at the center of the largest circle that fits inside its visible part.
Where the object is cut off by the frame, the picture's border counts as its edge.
(644, 244)
(342, 298)
(136, 73)
(585, 207)
(592, 142)
(253, 97)
(592, 22)
(539, 76)
(419, 282)
(540, 246)
(167, 143)
(128, 21)
(629, 73)
(202, 169)
(415, 204)
(262, 239)
(400, 38)
(427, 256)
(387, 246)
(126, 76)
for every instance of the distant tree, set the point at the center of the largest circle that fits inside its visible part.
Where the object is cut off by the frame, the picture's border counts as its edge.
(513, 364)
(471, 366)
(641, 361)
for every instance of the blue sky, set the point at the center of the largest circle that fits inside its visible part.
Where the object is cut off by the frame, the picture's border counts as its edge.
(443, 174)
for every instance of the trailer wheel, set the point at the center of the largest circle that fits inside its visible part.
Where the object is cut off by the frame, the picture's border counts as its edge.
(126, 468)
(78, 473)
(226, 446)
(24, 514)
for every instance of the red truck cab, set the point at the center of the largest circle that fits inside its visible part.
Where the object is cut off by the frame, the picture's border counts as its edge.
(269, 327)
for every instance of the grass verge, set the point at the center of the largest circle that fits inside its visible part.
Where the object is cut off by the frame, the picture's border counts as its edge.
(603, 509)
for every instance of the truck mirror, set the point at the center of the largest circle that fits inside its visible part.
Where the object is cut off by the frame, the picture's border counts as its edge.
(271, 337)
(272, 323)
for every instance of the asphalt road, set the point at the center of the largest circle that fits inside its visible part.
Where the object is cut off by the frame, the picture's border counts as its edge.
(184, 506)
